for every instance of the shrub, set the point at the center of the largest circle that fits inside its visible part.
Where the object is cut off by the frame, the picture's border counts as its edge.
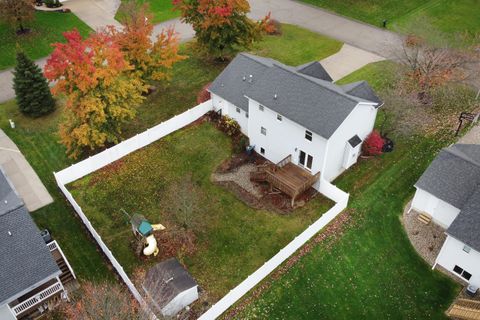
(204, 94)
(52, 3)
(229, 126)
(273, 28)
(373, 145)
(241, 144)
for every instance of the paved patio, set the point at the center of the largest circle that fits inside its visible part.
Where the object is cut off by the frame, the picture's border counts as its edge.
(24, 179)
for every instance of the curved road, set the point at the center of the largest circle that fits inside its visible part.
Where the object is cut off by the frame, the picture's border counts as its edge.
(354, 33)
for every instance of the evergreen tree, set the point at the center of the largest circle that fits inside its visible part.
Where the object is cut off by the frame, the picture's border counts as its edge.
(31, 88)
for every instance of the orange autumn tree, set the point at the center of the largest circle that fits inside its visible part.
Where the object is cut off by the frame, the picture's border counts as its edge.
(152, 60)
(221, 26)
(100, 95)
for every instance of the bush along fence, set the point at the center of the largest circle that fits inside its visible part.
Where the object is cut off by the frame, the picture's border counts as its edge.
(151, 135)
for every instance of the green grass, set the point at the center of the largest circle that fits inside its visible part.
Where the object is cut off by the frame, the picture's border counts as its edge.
(233, 239)
(448, 16)
(47, 28)
(162, 10)
(38, 140)
(371, 271)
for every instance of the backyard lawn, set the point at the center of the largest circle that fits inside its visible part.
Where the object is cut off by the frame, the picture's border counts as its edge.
(47, 28)
(449, 16)
(371, 270)
(233, 240)
(38, 140)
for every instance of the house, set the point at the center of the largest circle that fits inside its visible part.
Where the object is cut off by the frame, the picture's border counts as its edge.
(297, 114)
(169, 287)
(32, 272)
(449, 193)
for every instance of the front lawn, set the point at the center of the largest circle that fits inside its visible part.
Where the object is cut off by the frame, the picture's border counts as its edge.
(39, 141)
(448, 16)
(46, 29)
(162, 10)
(370, 271)
(233, 240)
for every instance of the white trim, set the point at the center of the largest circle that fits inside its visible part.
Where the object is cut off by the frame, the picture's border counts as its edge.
(38, 298)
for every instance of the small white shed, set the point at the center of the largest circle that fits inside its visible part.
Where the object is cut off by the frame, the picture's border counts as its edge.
(169, 287)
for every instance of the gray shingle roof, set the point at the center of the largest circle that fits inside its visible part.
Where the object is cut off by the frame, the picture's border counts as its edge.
(466, 227)
(316, 70)
(454, 177)
(25, 259)
(362, 90)
(314, 105)
(235, 79)
(451, 177)
(318, 105)
(165, 281)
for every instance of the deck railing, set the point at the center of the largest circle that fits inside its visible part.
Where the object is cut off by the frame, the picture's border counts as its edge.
(284, 161)
(38, 298)
(52, 246)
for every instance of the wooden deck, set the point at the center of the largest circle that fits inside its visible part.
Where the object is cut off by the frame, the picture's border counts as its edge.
(287, 177)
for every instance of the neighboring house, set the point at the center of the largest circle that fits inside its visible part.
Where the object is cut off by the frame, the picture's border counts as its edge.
(32, 272)
(169, 287)
(296, 113)
(449, 192)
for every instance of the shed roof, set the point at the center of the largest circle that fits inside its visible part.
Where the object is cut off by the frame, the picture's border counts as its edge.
(165, 281)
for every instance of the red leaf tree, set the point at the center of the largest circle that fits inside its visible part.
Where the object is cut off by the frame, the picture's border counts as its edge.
(221, 26)
(373, 145)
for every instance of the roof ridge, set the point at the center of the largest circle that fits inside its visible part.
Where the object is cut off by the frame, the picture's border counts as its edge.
(248, 56)
(349, 97)
(461, 155)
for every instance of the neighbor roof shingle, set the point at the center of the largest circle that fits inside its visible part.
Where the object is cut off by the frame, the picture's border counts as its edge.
(454, 177)
(25, 259)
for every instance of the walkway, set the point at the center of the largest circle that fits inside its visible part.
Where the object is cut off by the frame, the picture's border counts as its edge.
(24, 179)
(348, 60)
(99, 13)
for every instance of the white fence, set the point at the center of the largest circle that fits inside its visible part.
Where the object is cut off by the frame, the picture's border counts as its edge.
(110, 155)
(332, 192)
(139, 141)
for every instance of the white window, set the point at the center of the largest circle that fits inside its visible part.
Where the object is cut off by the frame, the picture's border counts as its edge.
(305, 160)
(466, 249)
(308, 135)
(238, 109)
(279, 117)
(262, 150)
(263, 131)
(464, 274)
(260, 107)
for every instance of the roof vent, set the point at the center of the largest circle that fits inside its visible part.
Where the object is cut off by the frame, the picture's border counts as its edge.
(250, 78)
(9, 233)
(275, 96)
(222, 85)
(244, 78)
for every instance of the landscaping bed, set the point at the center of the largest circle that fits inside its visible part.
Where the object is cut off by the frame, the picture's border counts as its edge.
(219, 238)
(46, 28)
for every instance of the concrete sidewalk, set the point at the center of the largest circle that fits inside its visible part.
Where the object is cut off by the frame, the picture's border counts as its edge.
(95, 13)
(24, 179)
(348, 60)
